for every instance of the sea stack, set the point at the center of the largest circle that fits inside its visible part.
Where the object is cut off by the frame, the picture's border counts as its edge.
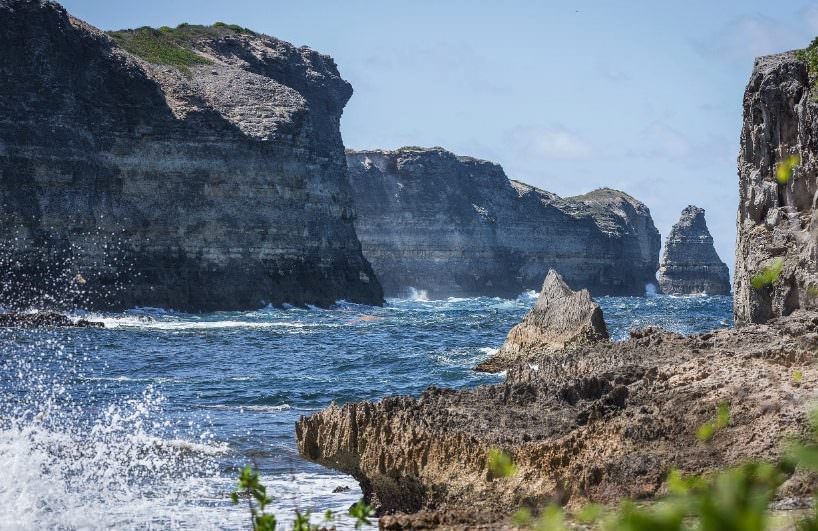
(561, 318)
(690, 264)
(776, 271)
(195, 168)
(457, 226)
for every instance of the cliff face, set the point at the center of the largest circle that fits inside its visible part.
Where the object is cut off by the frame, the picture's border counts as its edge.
(598, 423)
(205, 170)
(690, 263)
(454, 225)
(776, 220)
(560, 319)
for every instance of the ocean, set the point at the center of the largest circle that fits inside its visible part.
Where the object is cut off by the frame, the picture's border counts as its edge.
(144, 424)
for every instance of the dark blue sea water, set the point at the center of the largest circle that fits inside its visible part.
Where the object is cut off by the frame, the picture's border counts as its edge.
(143, 423)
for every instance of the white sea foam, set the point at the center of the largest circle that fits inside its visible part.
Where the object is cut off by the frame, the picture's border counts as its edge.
(133, 321)
(418, 295)
(249, 407)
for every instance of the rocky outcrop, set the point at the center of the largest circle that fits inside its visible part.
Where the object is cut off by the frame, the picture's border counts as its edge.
(457, 226)
(690, 264)
(560, 319)
(777, 219)
(44, 320)
(601, 422)
(195, 168)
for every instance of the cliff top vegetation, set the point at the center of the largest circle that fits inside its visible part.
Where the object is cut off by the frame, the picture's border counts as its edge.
(173, 46)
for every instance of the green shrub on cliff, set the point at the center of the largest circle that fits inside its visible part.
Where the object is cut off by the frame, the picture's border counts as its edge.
(810, 56)
(173, 46)
(159, 47)
(768, 275)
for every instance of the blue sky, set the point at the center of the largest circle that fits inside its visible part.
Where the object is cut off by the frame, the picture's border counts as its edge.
(568, 96)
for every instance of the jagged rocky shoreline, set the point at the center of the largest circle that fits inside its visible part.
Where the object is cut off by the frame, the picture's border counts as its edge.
(195, 168)
(457, 226)
(600, 420)
(594, 423)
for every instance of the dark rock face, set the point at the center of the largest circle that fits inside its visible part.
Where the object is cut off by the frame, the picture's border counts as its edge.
(43, 320)
(690, 263)
(457, 226)
(777, 220)
(218, 186)
(599, 423)
(561, 318)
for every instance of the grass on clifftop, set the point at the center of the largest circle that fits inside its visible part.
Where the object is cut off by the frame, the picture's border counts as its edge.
(810, 56)
(173, 46)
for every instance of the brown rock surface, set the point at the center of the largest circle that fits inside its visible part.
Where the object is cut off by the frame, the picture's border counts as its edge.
(561, 318)
(600, 423)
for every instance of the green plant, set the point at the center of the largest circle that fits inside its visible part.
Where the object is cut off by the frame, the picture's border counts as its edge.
(500, 464)
(706, 431)
(785, 168)
(768, 275)
(173, 46)
(251, 487)
(733, 500)
(361, 512)
(810, 56)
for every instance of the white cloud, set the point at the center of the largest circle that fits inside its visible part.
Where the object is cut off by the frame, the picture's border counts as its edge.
(555, 142)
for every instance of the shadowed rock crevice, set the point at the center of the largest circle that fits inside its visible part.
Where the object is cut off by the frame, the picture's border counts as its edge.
(690, 264)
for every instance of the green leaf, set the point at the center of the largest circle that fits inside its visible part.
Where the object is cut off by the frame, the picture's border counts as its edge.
(706, 432)
(500, 464)
(768, 275)
(785, 168)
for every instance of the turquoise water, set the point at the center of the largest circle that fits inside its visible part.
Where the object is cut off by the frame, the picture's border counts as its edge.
(143, 423)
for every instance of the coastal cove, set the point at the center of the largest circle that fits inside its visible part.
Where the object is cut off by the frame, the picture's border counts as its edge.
(191, 397)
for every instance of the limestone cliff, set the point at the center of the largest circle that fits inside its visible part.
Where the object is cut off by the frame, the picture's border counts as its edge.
(452, 225)
(690, 263)
(600, 423)
(560, 319)
(776, 269)
(195, 168)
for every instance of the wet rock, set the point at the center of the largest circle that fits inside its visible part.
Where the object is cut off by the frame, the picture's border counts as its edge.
(561, 318)
(690, 264)
(43, 320)
(457, 226)
(599, 423)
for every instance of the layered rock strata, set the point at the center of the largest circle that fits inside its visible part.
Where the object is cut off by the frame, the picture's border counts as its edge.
(561, 318)
(457, 226)
(690, 264)
(194, 168)
(599, 422)
(776, 242)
